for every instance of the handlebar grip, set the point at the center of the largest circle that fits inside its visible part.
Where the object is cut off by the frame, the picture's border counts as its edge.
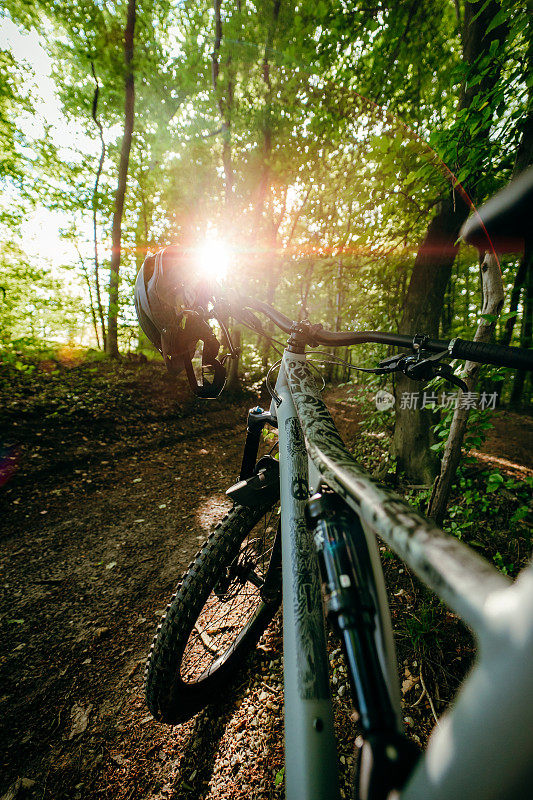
(497, 354)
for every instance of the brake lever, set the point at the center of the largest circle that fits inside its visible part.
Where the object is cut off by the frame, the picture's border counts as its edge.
(422, 367)
(445, 371)
(391, 364)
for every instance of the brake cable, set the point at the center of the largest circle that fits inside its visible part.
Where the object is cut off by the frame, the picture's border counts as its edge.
(421, 366)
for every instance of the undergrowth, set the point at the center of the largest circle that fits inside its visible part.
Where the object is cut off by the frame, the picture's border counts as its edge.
(488, 509)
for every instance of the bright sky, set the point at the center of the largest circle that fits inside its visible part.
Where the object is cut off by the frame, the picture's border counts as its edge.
(40, 232)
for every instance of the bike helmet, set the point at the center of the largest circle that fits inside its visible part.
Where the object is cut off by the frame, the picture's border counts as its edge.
(171, 302)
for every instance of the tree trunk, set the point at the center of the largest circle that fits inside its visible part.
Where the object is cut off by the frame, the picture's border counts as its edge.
(271, 274)
(336, 369)
(434, 260)
(492, 293)
(423, 307)
(526, 334)
(95, 207)
(265, 178)
(223, 107)
(233, 384)
(524, 159)
(305, 287)
(515, 299)
(91, 300)
(116, 237)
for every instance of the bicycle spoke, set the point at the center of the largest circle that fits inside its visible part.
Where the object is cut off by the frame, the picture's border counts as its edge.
(224, 616)
(206, 640)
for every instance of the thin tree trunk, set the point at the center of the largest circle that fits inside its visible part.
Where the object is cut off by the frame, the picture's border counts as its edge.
(467, 297)
(95, 205)
(524, 159)
(305, 287)
(434, 260)
(233, 383)
(264, 181)
(129, 105)
(526, 334)
(338, 315)
(224, 108)
(492, 292)
(89, 287)
(515, 299)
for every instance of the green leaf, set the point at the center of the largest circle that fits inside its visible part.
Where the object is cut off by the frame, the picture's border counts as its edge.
(517, 29)
(520, 514)
(279, 777)
(500, 17)
(509, 315)
(494, 482)
(481, 10)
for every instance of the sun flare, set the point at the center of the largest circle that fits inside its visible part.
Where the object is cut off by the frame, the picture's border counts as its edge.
(213, 257)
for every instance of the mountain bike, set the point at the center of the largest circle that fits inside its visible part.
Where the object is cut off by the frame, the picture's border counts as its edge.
(302, 532)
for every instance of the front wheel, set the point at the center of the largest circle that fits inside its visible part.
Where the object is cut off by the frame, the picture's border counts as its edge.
(223, 604)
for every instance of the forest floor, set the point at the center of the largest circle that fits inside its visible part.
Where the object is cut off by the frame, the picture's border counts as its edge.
(111, 482)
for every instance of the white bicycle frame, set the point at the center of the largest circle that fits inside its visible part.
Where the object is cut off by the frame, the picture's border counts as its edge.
(482, 747)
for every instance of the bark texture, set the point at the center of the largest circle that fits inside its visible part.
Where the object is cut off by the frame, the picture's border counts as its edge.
(492, 293)
(524, 159)
(95, 206)
(526, 332)
(224, 107)
(116, 235)
(433, 264)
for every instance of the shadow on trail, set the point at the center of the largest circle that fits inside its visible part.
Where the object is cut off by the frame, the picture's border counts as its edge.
(204, 770)
(200, 749)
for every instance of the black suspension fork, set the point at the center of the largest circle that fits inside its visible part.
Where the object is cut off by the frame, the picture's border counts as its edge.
(257, 419)
(351, 605)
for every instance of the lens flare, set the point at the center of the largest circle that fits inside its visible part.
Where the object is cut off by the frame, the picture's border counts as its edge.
(213, 257)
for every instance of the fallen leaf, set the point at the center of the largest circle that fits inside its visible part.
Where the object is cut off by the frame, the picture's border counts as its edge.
(409, 681)
(18, 789)
(80, 719)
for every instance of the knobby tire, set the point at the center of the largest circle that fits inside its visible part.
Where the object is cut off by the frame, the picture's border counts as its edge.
(213, 620)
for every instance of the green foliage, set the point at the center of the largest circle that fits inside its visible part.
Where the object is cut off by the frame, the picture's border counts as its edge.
(278, 780)
(422, 627)
(500, 563)
(333, 180)
(34, 305)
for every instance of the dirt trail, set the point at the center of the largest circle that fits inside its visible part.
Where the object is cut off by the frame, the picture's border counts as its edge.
(115, 488)
(97, 526)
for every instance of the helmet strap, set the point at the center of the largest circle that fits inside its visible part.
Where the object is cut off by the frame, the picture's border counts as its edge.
(207, 388)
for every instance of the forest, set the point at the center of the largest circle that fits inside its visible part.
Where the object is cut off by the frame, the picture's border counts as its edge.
(321, 157)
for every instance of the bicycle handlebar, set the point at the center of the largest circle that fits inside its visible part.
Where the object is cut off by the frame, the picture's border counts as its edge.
(278, 317)
(488, 353)
(482, 352)
(345, 338)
